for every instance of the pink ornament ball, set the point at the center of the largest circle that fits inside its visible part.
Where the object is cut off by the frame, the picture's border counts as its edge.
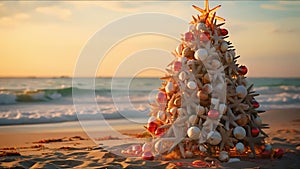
(177, 65)
(147, 156)
(204, 37)
(161, 97)
(213, 114)
(188, 36)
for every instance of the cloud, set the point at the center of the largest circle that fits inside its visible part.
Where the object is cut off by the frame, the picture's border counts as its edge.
(56, 11)
(13, 20)
(282, 6)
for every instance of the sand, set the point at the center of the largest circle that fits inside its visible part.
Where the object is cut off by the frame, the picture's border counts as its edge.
(75, 149)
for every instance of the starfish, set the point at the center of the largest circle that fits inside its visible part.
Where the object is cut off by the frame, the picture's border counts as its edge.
(208, 13)
(237, 104)
(226, 139)
(253, 140)
(230, 118)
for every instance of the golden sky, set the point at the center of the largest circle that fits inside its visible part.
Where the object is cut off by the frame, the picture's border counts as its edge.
(47, 38)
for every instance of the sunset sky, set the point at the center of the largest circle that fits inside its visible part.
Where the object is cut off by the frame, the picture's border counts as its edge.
(47, 38)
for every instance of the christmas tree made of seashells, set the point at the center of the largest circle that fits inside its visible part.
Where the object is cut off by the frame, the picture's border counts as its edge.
(205, 106)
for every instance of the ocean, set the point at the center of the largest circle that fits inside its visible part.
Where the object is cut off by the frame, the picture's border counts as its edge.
(53, 100)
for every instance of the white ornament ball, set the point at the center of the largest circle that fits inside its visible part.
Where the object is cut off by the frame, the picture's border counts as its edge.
(223, 156)
(201, 26)
(214, 138)
(201, 54)
(258, 121)
(202, 148)
(192, 85)
(169, 87)
(224, 46)
(240, 147)
(193, 119)
(239, 132)
(161, 115)
(241, 91)
(182, 76)
(194, 132)
(147, 147)
(200, 110)
(151, 119)
(160, 147)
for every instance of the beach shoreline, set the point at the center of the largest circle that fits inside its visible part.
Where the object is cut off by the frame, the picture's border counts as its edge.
(72, 147)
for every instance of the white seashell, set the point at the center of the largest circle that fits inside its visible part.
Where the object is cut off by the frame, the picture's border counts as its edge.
(215, 64)
(182, 76)
(194, 132)
(207, 88)
(215, 104)
(214, 138)
(169, 87)
(179, 49)
(201, 54)
(200, 110)
(193, 119)
(258, 121)
(222, 108)
(202, 148)
(240, 147)
(224, 46)
(192, 27)
(241, 91)
(147, 147)
(201, 26)
(192, 85)
(239, 132)
(151, 119)
(223, 156)
(173, 110)
(160, 147)
(161, 115)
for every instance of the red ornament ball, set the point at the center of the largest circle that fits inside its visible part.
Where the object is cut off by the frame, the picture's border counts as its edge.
(159, 132)
(188, 36)
(223, 32)
(152, 126)
(278, 153)
(213, 114)
(255, 104)
(177, 65)
(161, 97)
(254, 131)
(266, 154)
(243, 70)
(147, 156)
(204, 36)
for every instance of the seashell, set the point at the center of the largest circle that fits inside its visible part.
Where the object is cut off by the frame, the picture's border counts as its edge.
(177, 102)
(151, 119)
(202, 95)
(147, 147)
(232, 53)
(243, 120)
(214, 137)
(224, 46)
(192, 27)
(192, 85)
(182, 76)
(224, 157)
(258, 121)
(200, 110)
(161, 115)
(188, 53)
(207, 88)
(201, 26)
(179, 49)
(182, 111)
(201, 54)
(182, 59)
(215, 64)
(194, 132)
(160, 147)
(240, 147)
(190, 62)
(202, 148)
(169, 87)
(173, 110)
(228, 57)
(188, 154)
(193, 119)
(222, 108)
(241, 91)
(239, 132)
(206, 78)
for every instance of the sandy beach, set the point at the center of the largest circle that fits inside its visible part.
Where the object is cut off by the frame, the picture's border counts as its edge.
(73, 148)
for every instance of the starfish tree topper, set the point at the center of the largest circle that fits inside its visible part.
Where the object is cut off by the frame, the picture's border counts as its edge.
(209, 13)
